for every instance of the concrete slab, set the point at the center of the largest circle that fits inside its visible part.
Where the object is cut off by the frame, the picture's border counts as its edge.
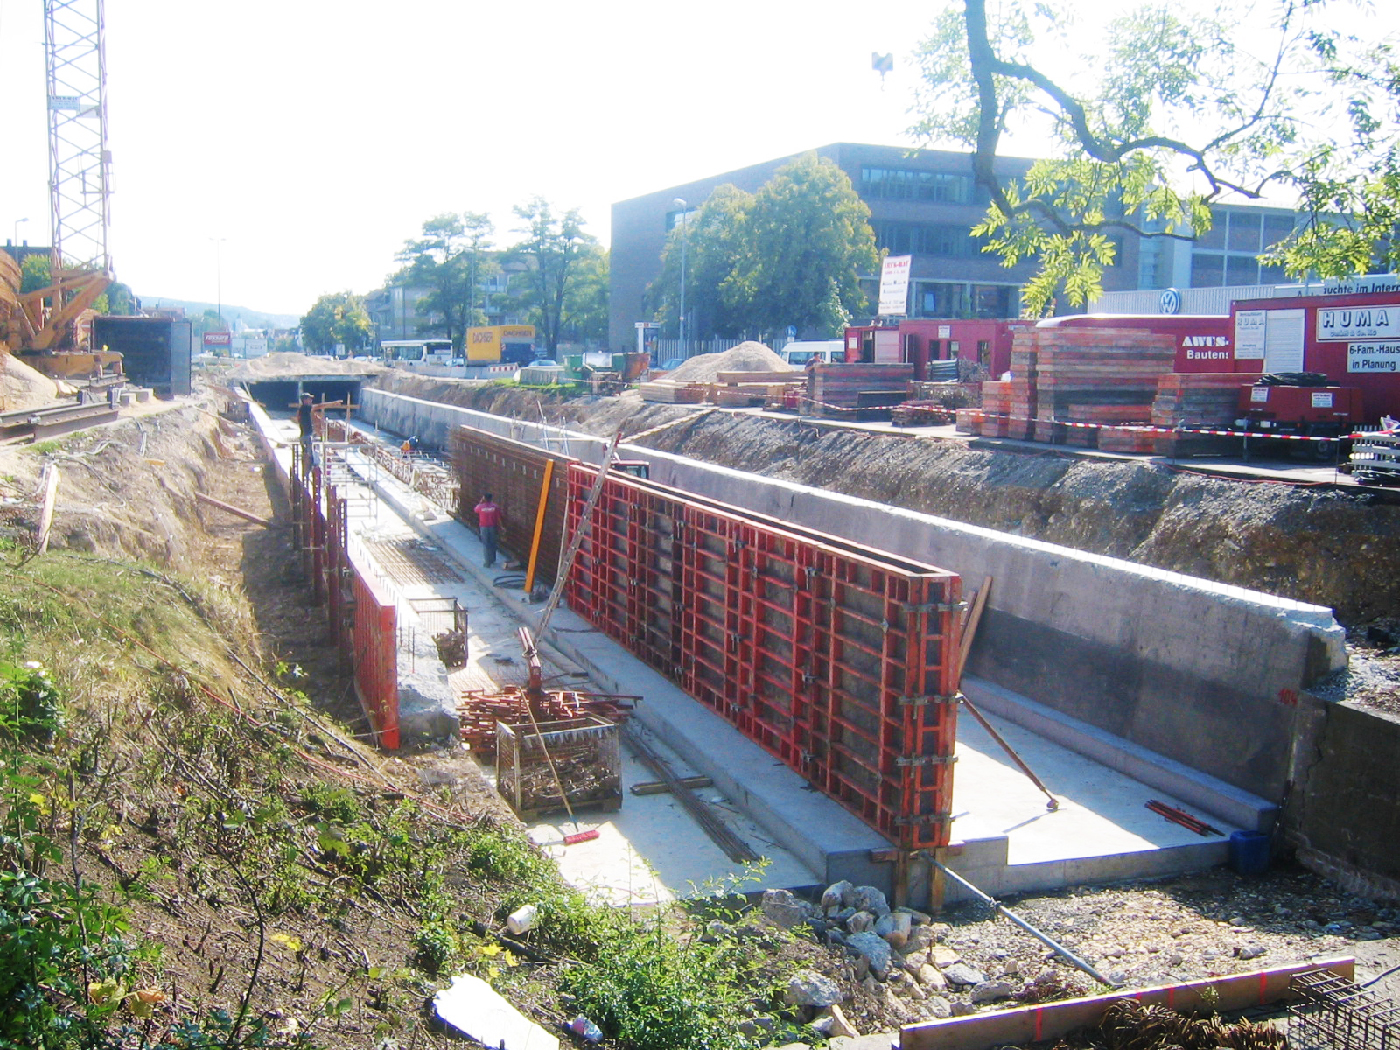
(1101, 831)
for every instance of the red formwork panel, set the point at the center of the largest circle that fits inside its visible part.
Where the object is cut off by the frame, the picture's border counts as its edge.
(361, 627)
(837, 658)
(376, 663)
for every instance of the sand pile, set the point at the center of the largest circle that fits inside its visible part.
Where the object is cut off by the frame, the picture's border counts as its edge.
(746, 357)
(22, 387)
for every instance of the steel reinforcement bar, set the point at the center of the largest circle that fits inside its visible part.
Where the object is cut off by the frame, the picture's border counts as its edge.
(837, 658)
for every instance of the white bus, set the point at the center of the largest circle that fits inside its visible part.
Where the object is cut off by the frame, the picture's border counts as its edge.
(416, 351)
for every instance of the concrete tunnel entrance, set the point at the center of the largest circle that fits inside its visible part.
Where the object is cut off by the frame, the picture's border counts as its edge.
(281, 394)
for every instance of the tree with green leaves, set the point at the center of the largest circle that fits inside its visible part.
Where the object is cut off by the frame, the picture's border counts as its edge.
(586, 298)
(715, 237)
(793, 253)
(1157, 119)
(553, 247)
(451, 258)
(808, 233)
(335, 320)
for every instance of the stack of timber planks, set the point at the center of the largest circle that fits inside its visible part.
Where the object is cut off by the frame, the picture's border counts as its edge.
(921, 414)
(672, 393)
(841, 388)
(1127, 439)
(1198, 399)
(1109, 372)
(969, 420)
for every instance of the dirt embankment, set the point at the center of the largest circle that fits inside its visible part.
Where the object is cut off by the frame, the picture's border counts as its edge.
(1321, 545)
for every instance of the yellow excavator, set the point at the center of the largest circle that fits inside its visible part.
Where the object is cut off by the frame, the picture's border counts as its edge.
(50, 328)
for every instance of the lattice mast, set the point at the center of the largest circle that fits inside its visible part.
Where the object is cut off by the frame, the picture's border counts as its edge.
(78, 156)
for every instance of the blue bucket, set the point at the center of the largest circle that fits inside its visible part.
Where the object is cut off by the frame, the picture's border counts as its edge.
(1249, 852)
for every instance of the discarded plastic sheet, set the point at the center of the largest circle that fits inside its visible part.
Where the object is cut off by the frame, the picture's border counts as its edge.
(474, 1008)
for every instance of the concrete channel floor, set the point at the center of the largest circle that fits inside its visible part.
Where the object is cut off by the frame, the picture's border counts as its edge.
(652, 850)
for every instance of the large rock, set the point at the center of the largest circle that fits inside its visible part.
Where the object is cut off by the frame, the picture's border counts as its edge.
(784, 909)
(961, 973)
(860, 922)
(937, 1007)
(920, 938)
(840, 1027)
(897, 932)
(870, 899)
(838, 895)
(874, 948)
(809, 988)
(932, 977)
(990, 991)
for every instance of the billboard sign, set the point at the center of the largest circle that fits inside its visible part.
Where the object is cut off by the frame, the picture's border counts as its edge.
(221, 339)
(894, 286)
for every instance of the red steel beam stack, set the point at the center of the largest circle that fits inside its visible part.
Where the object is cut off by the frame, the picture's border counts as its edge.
(837, 658)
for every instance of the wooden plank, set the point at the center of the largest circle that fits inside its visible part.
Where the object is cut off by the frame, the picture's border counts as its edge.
(788, 376)
(46, 509)
(660, 787)
(1024, 1025)
(237, 512)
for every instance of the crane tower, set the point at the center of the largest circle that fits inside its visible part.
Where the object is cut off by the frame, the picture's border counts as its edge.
(78, 156)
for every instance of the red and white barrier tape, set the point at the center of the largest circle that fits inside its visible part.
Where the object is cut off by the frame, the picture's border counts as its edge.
(1172, 430)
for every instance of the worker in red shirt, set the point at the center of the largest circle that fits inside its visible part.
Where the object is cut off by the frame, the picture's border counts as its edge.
(488, 520)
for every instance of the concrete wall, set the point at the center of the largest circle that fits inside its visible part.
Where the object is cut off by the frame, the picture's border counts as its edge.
(1342, 814)
(1203, 673)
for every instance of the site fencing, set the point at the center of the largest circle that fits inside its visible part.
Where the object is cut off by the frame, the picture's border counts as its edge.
(838, 659)
(363, 628)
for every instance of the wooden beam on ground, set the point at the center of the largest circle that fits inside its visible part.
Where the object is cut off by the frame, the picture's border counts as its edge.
(231, 509)
(41, 535)
(1030, 1024)
(660, 787)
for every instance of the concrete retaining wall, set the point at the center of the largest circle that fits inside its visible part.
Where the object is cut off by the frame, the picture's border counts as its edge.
(1342, 813)
(1203, 673)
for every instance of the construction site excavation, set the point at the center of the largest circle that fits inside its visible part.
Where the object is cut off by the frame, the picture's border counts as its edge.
(972, 716)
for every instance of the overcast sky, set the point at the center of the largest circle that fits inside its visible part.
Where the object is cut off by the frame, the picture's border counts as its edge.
(314, 137)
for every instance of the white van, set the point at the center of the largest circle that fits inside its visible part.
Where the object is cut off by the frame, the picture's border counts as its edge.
(800, 354)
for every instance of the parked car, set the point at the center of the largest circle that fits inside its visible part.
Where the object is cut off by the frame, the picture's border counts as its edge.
(543, 362)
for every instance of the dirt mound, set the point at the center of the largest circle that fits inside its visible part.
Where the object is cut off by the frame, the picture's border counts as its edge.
(292, 364)
(23, 387)
(746, 357)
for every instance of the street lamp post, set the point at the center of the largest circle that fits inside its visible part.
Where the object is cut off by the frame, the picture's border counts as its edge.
(219, 276)
(681, 204)
(15, 242)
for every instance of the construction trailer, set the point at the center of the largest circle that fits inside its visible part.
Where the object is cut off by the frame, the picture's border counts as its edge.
(508, 344)
(922, 341)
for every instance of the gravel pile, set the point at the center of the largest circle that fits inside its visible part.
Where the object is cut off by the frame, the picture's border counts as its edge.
(746, 357)
(1141, 935)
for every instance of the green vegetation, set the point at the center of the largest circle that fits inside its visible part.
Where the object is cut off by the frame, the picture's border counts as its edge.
(792, 253)
(337, 320)
(182, 864)
(557, 276)
(1159, 117)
